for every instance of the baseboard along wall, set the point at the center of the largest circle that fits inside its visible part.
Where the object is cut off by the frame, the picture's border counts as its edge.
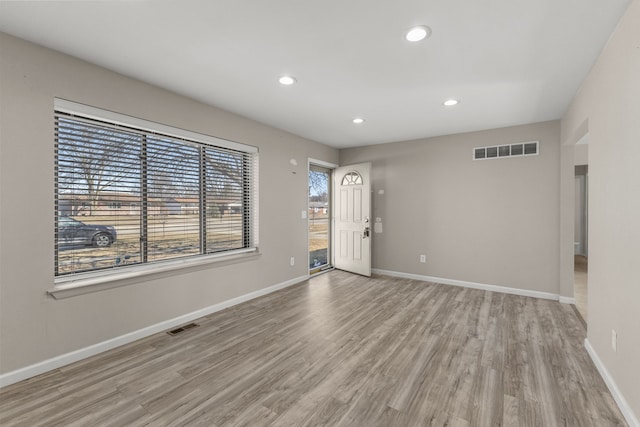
(481, 286)
(65, 359)
(626, 410)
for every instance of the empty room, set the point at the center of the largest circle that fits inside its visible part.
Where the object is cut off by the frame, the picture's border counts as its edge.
(339, 213)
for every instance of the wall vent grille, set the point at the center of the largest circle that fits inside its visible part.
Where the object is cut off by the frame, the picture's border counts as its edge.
(182, 328)
(520, 149)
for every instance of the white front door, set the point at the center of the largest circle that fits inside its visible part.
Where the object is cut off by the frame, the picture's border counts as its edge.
(352, 218)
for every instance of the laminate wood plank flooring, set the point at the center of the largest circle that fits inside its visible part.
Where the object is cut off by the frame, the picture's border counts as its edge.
(339, 350)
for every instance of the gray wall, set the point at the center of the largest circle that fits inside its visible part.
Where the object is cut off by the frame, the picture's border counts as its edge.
(35, 327)
(492, 222)
(607, 107)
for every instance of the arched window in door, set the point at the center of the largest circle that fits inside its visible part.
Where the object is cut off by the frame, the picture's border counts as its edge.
(352, 178)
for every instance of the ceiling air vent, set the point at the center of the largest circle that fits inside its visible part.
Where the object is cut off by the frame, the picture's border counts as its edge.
(520, 149)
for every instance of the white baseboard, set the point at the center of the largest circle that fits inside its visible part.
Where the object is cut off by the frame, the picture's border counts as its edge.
(626, 410)
(65, 359)
(566, 300)
(472, 285)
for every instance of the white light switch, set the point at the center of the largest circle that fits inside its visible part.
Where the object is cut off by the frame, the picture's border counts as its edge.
(303, 214)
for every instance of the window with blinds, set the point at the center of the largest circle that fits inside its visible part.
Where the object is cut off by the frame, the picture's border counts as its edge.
(131, 192)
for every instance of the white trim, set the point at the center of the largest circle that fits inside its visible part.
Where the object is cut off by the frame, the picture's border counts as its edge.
(472, 285)
(90, 112)
(626, 410)
(65, 359)
(331, 166)
(94, 281)
(567, 300)
(322, 163)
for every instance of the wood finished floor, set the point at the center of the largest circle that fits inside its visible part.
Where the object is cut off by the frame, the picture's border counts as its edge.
(339, 350)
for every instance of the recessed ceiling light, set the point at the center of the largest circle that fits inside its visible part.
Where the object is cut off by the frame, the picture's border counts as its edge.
(358, 121)
(287, 80)
(418, 33)
(450, 102)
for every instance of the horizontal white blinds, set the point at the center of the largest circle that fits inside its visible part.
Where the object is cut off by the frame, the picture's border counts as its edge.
(130, 196)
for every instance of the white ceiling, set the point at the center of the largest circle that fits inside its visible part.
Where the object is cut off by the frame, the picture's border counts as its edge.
(508, 61)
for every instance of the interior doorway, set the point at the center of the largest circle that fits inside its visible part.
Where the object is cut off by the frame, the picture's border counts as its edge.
(319, 218)
(581, 240)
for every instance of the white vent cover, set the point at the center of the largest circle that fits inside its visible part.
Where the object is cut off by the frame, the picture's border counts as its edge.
(520, 149)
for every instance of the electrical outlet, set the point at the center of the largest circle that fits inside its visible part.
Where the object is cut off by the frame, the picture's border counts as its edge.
(614, 341)
(423, 258)
(292, 261)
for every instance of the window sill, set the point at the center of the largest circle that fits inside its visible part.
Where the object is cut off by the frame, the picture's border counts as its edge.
(80, 284)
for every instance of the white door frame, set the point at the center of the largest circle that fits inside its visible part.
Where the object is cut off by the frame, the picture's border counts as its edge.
(332, 166)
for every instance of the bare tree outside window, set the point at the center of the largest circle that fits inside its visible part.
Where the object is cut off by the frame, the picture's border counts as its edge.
(93, 159)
